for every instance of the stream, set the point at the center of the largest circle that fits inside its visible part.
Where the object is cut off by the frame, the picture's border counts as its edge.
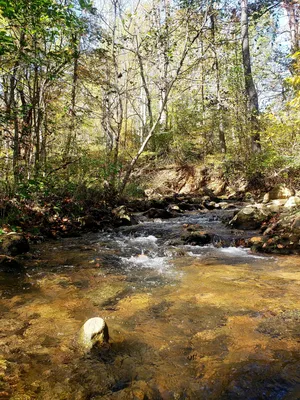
(185, 322)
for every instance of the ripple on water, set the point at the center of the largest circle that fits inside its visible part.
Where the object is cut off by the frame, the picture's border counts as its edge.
(241, 252)
(232, 255)
(160, 264)
(144, 240)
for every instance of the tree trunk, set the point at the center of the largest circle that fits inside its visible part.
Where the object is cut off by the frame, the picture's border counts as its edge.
(293, 14)
(251, 93)
(72, 126)
(202, 74)
(12, 114)
(220, 118)
(165, 18)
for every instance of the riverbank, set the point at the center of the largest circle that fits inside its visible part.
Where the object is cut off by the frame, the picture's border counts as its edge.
(270, 227)
(273, 214)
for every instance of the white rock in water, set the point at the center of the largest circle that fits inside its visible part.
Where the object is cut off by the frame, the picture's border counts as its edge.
(93, 332)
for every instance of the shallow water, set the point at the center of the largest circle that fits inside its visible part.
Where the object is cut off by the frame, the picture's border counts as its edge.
(185, 322)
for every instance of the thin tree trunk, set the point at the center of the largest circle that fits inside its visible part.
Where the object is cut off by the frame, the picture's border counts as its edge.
(116, 122)
(145, 86)
(37, 119)
(72, 127)
(202, 85)
(13, 116)
(26, 130)
(13, 112)
(165, 61)
(219, 101)
(251, 93)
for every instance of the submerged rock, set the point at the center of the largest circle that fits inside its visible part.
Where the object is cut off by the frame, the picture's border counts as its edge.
(9, 264)
(255, 243)
(137, 390)
(198, 238)
(93, 333)
(285, 325)
(158, 213)
(14, 244)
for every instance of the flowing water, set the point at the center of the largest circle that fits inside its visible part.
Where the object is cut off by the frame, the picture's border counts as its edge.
(185, 322)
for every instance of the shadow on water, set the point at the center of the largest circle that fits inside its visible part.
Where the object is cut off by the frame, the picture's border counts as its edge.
(15, 283)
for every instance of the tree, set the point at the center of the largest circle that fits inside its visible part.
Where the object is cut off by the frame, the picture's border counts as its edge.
(41, 33)
(250, 90)
(190, 36)
(220, 116)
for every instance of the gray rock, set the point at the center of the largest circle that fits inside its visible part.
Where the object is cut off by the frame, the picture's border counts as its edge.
(251, 217)
(93, 333)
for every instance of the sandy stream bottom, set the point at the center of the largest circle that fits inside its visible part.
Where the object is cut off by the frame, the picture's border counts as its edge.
(197, 324)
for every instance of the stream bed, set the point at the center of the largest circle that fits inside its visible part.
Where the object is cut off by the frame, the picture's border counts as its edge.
(185, 322)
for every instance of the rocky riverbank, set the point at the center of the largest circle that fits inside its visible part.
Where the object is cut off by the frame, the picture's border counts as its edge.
(275, 218)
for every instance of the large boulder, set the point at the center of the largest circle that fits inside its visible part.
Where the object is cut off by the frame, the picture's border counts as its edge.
(93, 333)
(278, 192)
(251, 217)
(158, 213)
(14, 244)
